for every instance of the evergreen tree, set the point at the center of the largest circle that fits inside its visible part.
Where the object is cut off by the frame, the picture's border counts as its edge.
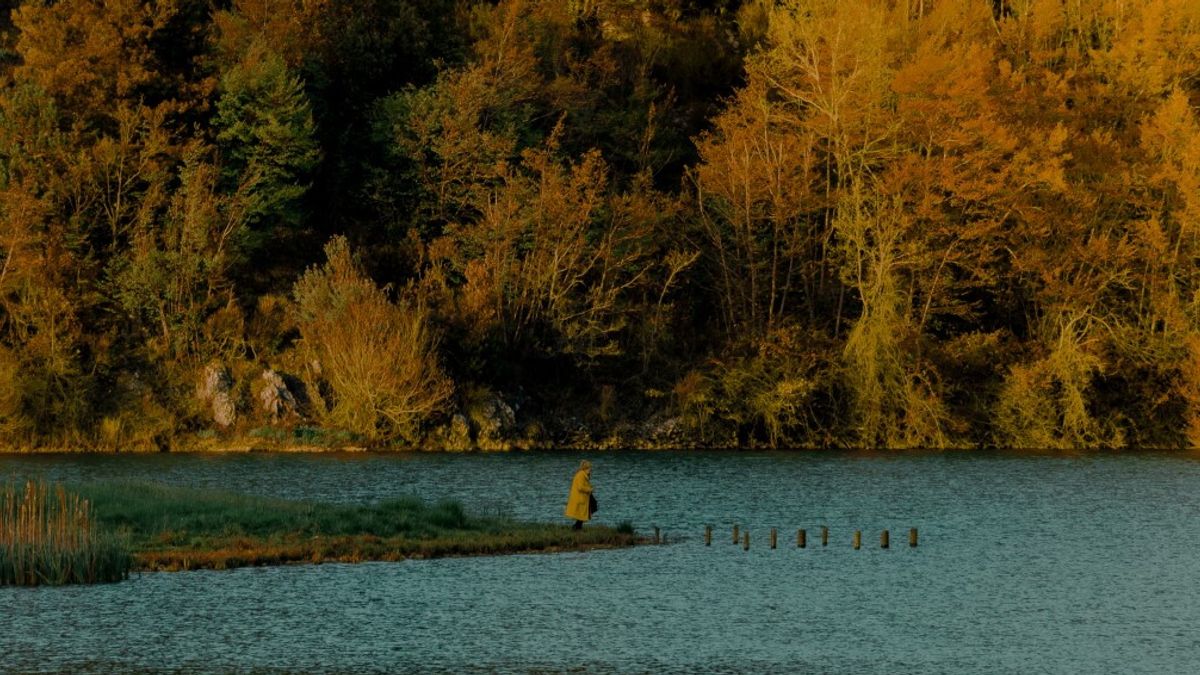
(266, 136)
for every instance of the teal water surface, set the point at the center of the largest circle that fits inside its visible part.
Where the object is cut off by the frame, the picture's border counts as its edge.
(1026, 564)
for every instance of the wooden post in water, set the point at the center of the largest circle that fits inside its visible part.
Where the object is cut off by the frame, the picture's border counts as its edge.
(883, 540)
(746, 541)
(912, 537)
(801, 538)
(708, 535)
(657, 538)
(857, 539)
(735, 534)
(824, 536)
(772, 537)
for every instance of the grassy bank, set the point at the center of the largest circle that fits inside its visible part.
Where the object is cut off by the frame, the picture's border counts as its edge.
(171, 528)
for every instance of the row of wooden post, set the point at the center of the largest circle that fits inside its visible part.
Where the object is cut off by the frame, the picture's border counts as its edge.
(802, 538)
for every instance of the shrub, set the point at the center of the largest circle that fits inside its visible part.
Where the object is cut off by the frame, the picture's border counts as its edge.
(768, 395)
(376, 357)
(1047, 403)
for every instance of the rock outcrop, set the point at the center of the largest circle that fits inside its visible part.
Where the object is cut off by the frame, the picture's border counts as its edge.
(458, 435)
(275, 399)
(494, 420)
(214, 392)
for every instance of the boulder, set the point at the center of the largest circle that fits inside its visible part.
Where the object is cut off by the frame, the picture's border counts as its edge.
(458, 436)
(494, 421)
(214, 392)
(670, 432)
(275, 398)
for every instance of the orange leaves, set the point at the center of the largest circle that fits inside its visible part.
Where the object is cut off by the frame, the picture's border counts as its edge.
(755, 165)
(943, 90)
(95, 55)
(963, 169)
(1149, 47)
(291, 27)
(551, 256)
(1172, 132)
(829, 65)
(1171, 136)
(756, 190)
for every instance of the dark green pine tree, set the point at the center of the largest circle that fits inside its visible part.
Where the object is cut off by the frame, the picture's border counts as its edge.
(267, 139)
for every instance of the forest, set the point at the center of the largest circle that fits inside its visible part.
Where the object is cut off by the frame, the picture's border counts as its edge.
(561, 223)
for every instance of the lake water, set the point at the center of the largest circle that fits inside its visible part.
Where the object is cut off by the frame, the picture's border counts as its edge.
(1026, 564)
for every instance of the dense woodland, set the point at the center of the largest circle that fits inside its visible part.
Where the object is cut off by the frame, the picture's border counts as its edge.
(795, 223)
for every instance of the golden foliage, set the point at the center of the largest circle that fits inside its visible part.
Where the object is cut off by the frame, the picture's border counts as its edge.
(12, 421)
(892, 188)
(98, 56)
(377, 357)
(1045, 404)
(1035, 167)
(552, 257)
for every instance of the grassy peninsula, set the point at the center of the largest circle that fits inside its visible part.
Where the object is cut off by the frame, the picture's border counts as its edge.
(172, 528)
(51, 535)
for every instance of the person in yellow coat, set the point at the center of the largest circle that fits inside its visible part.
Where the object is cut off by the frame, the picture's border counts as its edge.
(580, 503)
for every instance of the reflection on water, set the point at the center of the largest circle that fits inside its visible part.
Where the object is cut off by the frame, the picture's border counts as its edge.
(1025, 564)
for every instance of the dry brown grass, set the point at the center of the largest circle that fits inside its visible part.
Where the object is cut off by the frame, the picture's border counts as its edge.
(236, 552)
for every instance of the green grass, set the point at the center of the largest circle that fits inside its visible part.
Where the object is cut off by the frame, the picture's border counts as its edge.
(183, 528)
(48, 536)
(306, 436)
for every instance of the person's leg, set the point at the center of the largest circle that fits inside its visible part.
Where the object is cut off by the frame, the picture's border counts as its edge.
(578, 525)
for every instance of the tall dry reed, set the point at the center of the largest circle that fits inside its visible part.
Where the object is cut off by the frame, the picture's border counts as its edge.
(48, 537)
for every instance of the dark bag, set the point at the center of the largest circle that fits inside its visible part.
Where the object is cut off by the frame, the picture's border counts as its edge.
(592, 508)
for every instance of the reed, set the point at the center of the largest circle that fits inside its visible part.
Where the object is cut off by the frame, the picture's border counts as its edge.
(48, 536)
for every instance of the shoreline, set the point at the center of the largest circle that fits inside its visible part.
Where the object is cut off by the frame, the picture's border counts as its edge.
(243, 446)
(361, 549)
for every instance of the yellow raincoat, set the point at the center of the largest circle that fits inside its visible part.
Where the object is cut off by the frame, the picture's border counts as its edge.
(577, 502)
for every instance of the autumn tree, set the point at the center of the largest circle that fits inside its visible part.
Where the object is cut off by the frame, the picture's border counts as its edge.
(553, 263)
(174, 276)
(96, 125)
